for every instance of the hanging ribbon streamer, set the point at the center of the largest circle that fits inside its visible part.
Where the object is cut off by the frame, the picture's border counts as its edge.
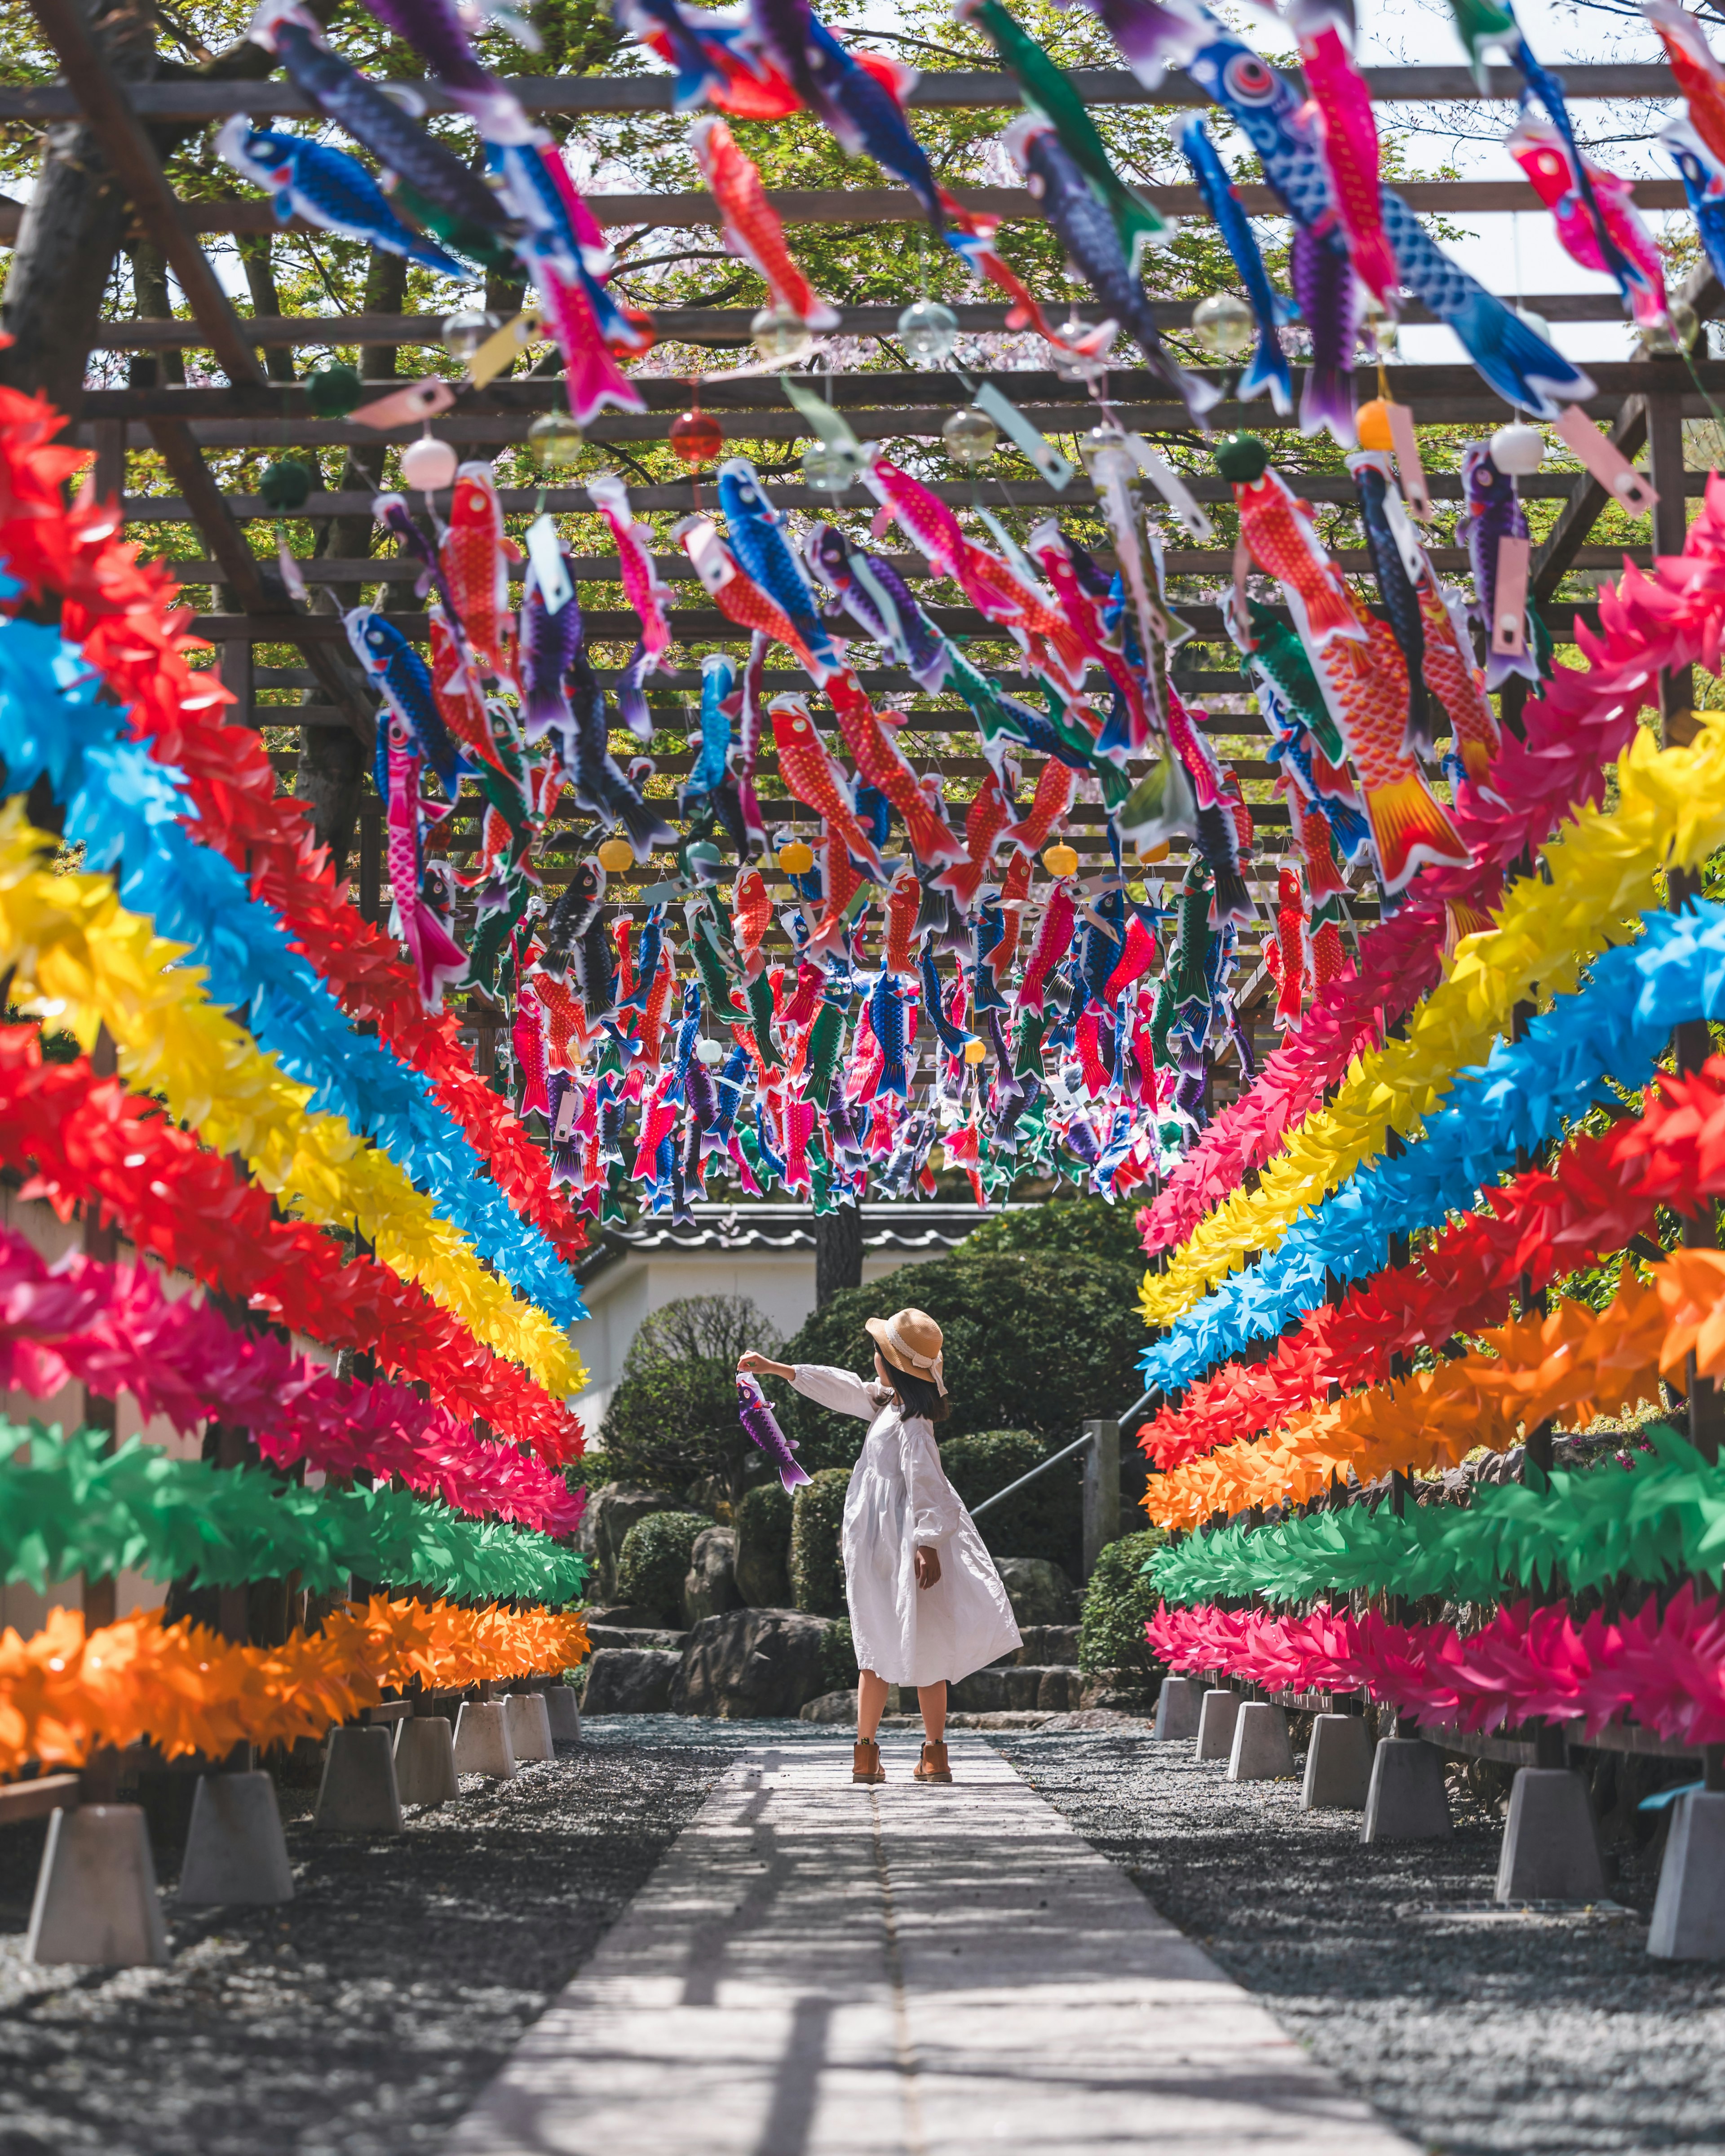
(84, 1141)
(63, 1692)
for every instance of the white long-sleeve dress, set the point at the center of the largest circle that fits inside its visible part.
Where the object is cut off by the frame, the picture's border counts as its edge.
(899, 1501)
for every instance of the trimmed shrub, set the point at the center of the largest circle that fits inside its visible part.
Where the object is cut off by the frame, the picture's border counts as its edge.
(763, 1548)
(838, 1657)
(672, 1423)
(1088, 1225)
(1034, 1341)
(1044, 1521)
(1118, 1602)
(654, 1562)
(817, 1559)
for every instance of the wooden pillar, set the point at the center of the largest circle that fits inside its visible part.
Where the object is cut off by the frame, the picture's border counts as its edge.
(371, 860)
(101, 1241)
(1664, 447)
(236, 671)
(109, 472)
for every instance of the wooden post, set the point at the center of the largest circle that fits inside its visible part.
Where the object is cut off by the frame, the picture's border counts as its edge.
(1671, 523)
(235, 666)
(371, 860)
(101, 1241)
(1102, 1491)
(109, 472)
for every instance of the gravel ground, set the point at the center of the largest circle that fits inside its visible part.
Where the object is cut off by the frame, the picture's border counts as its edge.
(1476, 2032)
(362, 2018)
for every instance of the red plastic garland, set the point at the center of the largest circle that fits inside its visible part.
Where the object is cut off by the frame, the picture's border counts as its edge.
(122, 612)
(92, 1141)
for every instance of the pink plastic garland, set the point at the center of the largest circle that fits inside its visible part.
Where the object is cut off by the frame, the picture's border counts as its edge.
(1667, 1669)
(1583, 721)
(116, 1329)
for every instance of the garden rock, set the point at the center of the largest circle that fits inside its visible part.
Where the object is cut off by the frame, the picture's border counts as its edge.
(614, 1510)
(752, 1662)
(629, 1681)
(832, 1706)
(1039, 1592)
(710, 1588)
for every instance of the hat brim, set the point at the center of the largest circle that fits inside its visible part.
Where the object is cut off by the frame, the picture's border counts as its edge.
(876, 1327)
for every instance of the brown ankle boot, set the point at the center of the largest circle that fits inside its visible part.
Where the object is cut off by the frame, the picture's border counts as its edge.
(933, 1766)
(865, 1761)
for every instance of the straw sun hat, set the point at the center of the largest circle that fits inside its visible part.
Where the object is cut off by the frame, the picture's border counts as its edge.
(909, 1341)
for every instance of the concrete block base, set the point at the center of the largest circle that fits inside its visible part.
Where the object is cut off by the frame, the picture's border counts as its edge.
(1339, 1766)
(1261, 1750)
(425, 1760)
(1689, 1910)
(1406, 1800)
(1215, 1724)
(1177, 1707)
(95, 1894)
(357, 1794)
(1551, 1843)
(529, 1726)
(234, 1848)
(562, 1711)
(482, 1745)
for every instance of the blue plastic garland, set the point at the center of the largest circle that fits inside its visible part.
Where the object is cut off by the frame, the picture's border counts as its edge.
(124, 808)
(1616, 1025)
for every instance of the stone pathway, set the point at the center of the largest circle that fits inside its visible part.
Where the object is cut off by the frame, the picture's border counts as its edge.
(818, 1970)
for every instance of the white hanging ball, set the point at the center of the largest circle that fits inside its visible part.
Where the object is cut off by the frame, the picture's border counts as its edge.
(428, 465)
(709, 1052)
(1518, 450)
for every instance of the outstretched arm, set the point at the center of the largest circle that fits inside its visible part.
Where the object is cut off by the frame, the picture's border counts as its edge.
(763, 1366)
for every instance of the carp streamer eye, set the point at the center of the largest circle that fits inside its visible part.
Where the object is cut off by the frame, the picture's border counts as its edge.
(1248, 78)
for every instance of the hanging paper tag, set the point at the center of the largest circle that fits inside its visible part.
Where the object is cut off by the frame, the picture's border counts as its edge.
(1041, 452)
(1509, 605)
(502, 346)
(402, 408)
(1417, 493)
(706, 551)
(289, 568)
(1170, 484)
(1406, 538)
(568, 1109)
(1605, 461)
(545, 550)
(1022, 567)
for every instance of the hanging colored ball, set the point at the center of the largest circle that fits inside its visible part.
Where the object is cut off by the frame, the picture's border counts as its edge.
(1150, 854)
(615, 854)
(929, 332)
(829, 467)
(1382, 330)
(711, 1053)
(428, 465)
(696, 437)
(1372, 422)
(465, 331)
(797, 858)
(1242, 458)
(333, 390)
(554, 441)
(1537, 323)
(975, 1051)
(1224, 325)
(285, 485)
(1518, 450)
(970, 437)
(780, 337)
(703, 851)
(1060, 860)
(1098, 441)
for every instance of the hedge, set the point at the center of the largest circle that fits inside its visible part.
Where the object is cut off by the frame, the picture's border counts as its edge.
(1118, 1602)
(817, 1559)
(763, 1548)
(654, 1560)
(1046, 1520)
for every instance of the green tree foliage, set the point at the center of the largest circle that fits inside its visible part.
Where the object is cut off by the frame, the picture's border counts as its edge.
(1034, 1340)
(817, 1559)
(1045, 1519)
(672, 1422)
(1119, 1601)
(653, 1561)
(1087, 1225)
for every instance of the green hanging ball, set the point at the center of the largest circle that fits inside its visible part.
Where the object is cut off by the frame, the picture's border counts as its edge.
(286, 486)
(334, 390)
(1242, 458)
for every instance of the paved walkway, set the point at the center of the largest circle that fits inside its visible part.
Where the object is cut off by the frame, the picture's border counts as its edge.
(818, 1970)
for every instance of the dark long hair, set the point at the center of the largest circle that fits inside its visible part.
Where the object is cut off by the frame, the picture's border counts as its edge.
(917, 1396)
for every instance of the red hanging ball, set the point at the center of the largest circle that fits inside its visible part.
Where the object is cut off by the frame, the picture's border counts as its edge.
(696, 437)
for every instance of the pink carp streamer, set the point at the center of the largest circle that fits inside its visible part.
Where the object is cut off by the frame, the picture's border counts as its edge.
(1666, 1668)
(1573, 732)
(115, 1328)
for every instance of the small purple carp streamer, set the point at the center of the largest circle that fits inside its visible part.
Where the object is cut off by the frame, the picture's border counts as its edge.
(762, 1431)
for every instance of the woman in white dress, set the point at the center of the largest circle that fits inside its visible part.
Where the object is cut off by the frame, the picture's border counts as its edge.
(927, 1604)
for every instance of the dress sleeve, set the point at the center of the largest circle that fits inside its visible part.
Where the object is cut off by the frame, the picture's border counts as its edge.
(841, 1390)
(934, 1503)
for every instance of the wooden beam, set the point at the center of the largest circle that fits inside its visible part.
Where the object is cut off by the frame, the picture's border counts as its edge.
(133, 155)
(268, 608)
(955, 90)
(48, 1793)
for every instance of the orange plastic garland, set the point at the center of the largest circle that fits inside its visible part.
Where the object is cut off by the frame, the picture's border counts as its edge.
(188, 1690)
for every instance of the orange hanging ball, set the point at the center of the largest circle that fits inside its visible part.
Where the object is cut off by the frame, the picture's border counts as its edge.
(1373, 421)
(1060, 860)
(975, 1051)
(616, 855)
(696, 437)
(795, 858)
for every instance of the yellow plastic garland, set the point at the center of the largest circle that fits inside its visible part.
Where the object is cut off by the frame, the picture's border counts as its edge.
(1572, 1362)
(1597, 874)
(82, 959)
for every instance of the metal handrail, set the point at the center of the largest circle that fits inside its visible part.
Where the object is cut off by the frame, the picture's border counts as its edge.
(1041, 1467)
